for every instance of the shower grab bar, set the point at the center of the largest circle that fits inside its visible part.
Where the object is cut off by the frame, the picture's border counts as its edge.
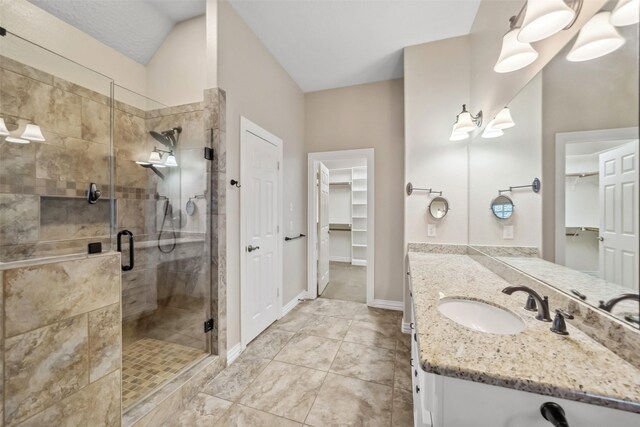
(131, 249)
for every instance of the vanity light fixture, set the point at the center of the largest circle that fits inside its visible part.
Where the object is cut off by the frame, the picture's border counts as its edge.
(503, 120)
(539, 19)
(491, 131)
(544, 18)
(465, 122)
(31, 133)
(597, 38)
(3, 128)
(514, 54)
(626, 12)
(457, 136)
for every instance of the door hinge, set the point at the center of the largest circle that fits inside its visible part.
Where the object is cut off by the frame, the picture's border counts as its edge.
(278, 164)
(208, 153)
(208, 325)
(278, 292)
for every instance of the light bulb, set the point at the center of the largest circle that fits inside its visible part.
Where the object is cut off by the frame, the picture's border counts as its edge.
(597, 38)
(514, 54)
(544, 18)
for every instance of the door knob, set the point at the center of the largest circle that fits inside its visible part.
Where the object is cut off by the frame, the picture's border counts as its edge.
(601, 238)
(252, 248)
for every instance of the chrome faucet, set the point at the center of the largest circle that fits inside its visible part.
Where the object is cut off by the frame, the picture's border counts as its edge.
(542, 303)
(608, 306)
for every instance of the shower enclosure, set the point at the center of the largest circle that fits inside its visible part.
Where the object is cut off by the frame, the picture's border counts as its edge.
(86, 163)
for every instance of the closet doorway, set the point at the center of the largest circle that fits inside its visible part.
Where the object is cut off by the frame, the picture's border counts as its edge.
(341, 226)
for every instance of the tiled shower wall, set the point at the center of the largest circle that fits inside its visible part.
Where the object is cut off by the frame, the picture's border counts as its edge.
(41, 184)
(61, 346)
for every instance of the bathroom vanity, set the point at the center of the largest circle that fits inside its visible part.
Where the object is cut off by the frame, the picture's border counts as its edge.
(501, 367)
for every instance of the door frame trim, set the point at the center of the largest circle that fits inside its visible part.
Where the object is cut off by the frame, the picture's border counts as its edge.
(312, 197)
(561, 140)
(248, 126)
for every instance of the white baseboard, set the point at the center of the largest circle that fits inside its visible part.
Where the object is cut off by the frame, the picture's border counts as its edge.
(387, 304)
(233, 353)
(340, 259)
(406, 328)
(359, 262)
(295, 301)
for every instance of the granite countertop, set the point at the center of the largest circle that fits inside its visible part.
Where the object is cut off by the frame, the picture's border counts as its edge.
(572, 367)
(565, 278)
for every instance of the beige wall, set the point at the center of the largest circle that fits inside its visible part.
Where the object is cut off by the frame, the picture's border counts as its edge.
(436, 85)
(259, 89)
(368, 116)
(177, 73)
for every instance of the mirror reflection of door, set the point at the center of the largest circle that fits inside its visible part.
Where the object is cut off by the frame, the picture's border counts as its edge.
(601, 214)
(323, 228)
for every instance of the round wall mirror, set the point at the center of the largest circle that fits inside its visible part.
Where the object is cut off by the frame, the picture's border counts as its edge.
(438, 207)
(502, 207)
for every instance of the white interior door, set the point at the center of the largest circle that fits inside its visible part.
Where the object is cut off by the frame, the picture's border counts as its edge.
(619, 215)
(323, 228)
(260, 216)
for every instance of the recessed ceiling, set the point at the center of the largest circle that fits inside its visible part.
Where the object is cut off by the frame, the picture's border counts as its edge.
(133, 28)
(326, 44)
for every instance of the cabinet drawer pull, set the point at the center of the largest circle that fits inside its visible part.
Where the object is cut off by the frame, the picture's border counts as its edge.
(415, 372)
(411, 325)
(415, 337)
(411, 362)
(417, 389)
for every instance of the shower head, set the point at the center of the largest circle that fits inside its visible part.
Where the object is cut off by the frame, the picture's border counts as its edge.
(168, 138)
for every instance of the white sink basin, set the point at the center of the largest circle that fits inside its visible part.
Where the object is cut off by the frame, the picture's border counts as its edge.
(481, 317)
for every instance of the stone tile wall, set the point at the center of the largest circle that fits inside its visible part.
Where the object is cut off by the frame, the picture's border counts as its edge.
(61, 345)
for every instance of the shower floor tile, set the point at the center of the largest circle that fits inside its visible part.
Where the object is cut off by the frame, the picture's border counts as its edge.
(148, 363)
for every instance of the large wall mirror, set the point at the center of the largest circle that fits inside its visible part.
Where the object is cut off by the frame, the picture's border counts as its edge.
(576, 127)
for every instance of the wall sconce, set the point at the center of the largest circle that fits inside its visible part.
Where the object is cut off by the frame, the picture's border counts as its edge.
(597, 38)
(31, 133)
(155, 159)
(626, 12)
(540, 19)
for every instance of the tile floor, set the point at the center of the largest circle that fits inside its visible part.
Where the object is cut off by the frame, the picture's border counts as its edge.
(149, 363)
(346, 282)
(327, 362)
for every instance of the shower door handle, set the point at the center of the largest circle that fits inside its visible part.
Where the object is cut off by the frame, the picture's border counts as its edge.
(131, 248)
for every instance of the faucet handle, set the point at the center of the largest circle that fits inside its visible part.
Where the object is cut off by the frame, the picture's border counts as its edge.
(559, 326)
(531, 305)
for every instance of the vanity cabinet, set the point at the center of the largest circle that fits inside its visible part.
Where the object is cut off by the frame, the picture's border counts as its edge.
(440, 401)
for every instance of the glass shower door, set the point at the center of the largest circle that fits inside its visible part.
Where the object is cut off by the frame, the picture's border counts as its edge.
(55, 142)
(161, 201)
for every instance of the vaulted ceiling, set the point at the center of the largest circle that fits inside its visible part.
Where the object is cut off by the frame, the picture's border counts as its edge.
(135, 28)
